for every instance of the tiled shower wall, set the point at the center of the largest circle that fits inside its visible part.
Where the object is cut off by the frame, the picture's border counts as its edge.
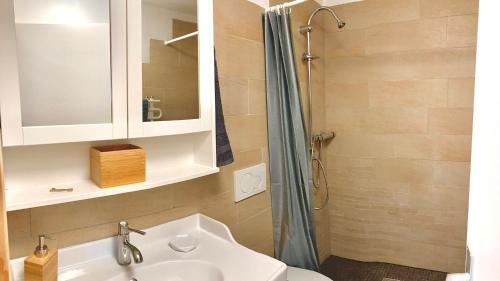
(399, 93)
(238, 39)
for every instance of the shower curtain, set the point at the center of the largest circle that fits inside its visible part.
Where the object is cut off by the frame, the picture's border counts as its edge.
(290, 165)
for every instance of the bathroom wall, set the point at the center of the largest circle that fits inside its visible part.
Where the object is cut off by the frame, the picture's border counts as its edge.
(399, 86)
(239, 44)
(299, 16)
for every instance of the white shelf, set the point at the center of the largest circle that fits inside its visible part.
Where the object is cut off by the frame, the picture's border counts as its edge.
(18, 199)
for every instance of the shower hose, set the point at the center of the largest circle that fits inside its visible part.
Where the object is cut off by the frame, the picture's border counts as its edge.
(320, 171)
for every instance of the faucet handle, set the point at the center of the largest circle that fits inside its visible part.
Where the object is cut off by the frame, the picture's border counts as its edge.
(124, 229)
(137, 231)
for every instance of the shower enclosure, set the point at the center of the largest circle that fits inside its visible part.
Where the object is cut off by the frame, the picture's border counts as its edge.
(292, 143)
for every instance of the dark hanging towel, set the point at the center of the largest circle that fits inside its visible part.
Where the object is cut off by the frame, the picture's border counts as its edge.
(223, 147)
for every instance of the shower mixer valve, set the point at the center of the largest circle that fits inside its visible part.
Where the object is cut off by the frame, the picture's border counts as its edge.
(324, 137)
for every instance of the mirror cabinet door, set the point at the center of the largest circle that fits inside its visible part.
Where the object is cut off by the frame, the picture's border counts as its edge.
(64, 61)
(169, 60)
(64, 71)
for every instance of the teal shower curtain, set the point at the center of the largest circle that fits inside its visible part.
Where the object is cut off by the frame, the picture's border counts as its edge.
(290, 165)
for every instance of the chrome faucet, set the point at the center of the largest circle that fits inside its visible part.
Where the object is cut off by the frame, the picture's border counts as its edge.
(127, 251)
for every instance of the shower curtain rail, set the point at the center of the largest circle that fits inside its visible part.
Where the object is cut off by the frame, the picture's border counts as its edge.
(286, 5)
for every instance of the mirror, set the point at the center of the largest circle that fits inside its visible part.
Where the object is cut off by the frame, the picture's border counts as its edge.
(169, 60)
(63, 50)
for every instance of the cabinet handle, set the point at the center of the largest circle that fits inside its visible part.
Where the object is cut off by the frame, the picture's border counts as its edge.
(61, 189)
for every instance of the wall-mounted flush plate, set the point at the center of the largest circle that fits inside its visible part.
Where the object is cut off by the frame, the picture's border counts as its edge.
(249, 181)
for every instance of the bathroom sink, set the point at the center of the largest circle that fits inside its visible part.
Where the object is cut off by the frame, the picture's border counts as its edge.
(216, 257)
(174, 271)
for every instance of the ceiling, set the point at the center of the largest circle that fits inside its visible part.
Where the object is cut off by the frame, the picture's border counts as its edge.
(183, 6)
(328, 3)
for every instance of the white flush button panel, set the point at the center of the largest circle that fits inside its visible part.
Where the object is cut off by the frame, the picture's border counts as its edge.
(249, 181)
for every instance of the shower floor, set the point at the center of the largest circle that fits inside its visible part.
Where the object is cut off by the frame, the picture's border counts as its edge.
(340, 269)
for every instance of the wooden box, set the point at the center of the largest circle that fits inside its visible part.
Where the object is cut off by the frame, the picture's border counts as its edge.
(116, 165)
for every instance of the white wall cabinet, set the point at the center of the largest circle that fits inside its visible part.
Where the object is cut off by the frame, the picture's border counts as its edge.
(73, 71)
(76, 74)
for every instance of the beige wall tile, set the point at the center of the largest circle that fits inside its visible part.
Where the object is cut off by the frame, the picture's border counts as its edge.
(254, 205)
(410, 65)
(411, 146)
(433, 147)
(425, 64)
(462, 31)
(368, 13)
(161, 217)
(452, 148)
(221, 208)
(451, 173)
(81, 214)
(234, 96)
(246, 132)
(345, 119)
(239, 18)
(347, 96)
(19, 224)
(414, 93)
(352, 70)
(255, 231)
(345, 43)
(239, 57)
(258, 103)
(395, 120)
(443, 8)
(450, 121)
(341, 167)
(402, 36)
(196, 192)
(404, 171)
(461, 92)
(362, 146)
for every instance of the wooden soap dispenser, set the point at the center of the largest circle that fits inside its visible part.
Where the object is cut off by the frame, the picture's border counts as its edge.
(42, 265)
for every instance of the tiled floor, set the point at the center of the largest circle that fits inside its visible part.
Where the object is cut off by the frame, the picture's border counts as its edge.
(340, 269)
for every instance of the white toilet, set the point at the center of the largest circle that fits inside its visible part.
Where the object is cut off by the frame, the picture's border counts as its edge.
(299, 274)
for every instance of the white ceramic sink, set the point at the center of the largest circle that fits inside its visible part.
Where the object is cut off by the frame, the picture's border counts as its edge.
(174, 271)
(218, 257)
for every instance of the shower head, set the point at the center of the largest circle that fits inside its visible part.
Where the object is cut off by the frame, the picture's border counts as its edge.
(340, 23)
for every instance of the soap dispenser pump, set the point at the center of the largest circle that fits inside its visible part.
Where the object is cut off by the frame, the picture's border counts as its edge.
(42, 264)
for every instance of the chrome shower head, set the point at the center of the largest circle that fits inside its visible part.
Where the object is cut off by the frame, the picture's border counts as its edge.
(340, 23)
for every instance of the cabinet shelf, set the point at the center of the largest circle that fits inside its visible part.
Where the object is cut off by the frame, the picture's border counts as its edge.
(18, 199)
